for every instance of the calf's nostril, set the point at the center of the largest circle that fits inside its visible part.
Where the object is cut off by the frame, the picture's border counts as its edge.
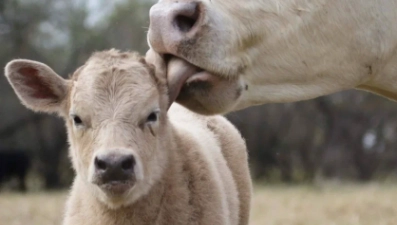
(186, 16)
(128, 163)
(100, 164)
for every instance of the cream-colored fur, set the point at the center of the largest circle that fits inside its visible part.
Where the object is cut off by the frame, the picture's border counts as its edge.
(290, 50)
(190, 169)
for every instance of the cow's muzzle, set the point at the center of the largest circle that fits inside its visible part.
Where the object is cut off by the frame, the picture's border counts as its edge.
(174, 22)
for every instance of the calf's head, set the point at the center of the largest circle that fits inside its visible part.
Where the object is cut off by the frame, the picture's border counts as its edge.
(115, 108)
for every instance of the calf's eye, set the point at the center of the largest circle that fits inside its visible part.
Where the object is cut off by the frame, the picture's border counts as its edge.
(77, 120)
(152, 117)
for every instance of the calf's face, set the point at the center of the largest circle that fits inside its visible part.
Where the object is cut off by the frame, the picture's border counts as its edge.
(115, 112)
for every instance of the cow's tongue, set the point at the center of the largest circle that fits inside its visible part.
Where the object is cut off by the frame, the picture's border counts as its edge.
(181, 72)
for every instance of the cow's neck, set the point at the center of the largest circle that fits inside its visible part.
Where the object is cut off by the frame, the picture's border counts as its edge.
(317, 48)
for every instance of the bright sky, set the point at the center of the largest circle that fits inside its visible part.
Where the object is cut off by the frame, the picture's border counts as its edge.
(97, 10)
(100, 8)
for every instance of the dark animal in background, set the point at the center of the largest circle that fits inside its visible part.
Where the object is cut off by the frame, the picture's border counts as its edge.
(14, 163)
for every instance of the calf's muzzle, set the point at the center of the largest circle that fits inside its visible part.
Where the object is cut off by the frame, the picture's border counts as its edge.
(111, 168)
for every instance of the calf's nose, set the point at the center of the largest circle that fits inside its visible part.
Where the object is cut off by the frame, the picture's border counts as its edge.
(114, 167)
(173, 22)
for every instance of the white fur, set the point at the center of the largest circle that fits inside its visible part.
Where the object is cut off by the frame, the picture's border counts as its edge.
(189, 169)
(292, 50)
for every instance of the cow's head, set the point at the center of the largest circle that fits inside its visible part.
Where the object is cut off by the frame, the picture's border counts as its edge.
(196, 89)
(216, 38)
(115, 111)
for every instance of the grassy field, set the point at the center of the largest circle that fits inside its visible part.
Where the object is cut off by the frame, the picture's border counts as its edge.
(273, 205)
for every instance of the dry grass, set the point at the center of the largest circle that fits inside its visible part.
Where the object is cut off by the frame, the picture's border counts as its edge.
(273, 205)
(31, 208)
(332, 205)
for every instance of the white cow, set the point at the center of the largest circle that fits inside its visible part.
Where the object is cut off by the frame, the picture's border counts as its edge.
(273, 51)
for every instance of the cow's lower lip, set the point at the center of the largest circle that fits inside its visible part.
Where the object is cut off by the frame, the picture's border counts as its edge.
(192, 73)
(116, 187)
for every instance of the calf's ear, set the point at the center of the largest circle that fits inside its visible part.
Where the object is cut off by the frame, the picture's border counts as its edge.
(37, 86)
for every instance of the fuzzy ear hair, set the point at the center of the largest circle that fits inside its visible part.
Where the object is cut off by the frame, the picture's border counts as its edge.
(37, 86)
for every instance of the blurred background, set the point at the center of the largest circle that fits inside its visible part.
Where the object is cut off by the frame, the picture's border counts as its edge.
(346, 138)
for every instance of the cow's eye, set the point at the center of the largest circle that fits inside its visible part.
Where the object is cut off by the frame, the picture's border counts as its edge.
(77, 120)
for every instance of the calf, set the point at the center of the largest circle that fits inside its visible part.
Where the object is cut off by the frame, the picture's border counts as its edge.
(14, 163)
(136, 163)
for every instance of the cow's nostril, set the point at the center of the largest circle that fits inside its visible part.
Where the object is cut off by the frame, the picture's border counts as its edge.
(100, 164)
(187, 16)
(184, 23)
(128, 163)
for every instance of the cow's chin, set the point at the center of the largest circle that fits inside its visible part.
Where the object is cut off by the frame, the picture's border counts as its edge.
(204, 92)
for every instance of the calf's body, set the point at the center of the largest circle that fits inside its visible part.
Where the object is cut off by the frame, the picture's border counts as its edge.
(136, 163)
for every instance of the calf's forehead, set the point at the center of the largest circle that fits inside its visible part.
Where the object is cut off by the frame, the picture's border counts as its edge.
(119, 83)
